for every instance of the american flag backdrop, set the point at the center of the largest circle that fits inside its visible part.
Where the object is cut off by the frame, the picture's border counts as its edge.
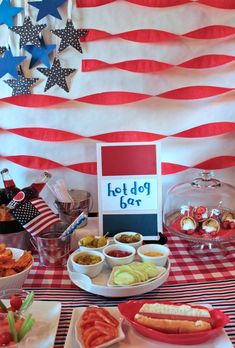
(151, 70)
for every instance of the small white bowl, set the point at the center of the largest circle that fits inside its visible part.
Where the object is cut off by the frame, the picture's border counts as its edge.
(116, 261)
(136, 245)
(91, 270)
(154, 248)
(85, 248)
(16, 280)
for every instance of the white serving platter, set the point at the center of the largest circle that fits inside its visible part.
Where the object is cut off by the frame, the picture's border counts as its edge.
(98, 285)
(135, 339)
(43, 333)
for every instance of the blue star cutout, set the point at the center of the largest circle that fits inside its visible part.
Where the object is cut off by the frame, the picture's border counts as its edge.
(39, 54)
(47, 7)
(7, 12)
(8, 64)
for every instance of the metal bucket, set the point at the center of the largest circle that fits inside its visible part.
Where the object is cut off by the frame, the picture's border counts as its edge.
(68, 212)
(53, 251)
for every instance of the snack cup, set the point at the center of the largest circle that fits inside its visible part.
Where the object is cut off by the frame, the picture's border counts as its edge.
(91, 270)
(86, 248)
(136, 245)
(117, 261)
(154, 253)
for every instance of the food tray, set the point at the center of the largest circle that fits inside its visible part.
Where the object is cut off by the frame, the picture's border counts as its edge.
(98, 285)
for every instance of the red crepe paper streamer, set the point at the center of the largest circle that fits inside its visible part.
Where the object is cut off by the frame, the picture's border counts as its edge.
(34, 162)
(223, 4)
(113, 98)
(149, 66)
(138, 35)
(154, 35)
(211, 32)
(54, 135)
(118, 98)
(45, 134)
(194, 92)
(34, 100)
(138, 65)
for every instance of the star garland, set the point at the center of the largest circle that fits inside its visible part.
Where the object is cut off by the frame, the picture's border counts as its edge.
(39, 54)
(56, 75)
(7, 12)
(70, 36)
(21, 85)
(47, 7)
(29, 32)
(9, 63)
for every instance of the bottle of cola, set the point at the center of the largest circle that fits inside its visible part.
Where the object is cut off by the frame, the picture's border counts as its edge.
(10, 187)
(3, 196)
(36, 187)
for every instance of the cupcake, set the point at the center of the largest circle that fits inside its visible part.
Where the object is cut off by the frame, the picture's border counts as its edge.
(211, 226)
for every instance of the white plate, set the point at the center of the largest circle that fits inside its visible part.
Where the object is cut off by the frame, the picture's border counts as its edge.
(135, 339)
(43, 333)
(160, 270)
(77, 312)
(98, 285)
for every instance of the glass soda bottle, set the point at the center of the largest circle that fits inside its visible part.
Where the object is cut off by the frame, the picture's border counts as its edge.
(10, 187)
(36, 187)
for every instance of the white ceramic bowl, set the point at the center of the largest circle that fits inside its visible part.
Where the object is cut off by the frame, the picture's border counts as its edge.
(116, 261)
(91, 270)
(85, 248)
(154, 248)
(15, 281)
(136, 245)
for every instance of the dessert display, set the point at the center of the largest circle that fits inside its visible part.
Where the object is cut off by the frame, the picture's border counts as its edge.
(202, 211)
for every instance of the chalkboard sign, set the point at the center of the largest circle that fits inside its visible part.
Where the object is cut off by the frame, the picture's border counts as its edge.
(129, 188)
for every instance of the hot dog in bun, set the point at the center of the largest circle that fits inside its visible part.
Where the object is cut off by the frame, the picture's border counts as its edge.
(174, 318)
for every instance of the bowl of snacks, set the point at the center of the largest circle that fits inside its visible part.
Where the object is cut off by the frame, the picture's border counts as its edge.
(15, 265)
(131, 238)
(91, 242)
(119, 254)
(154, 253)
(88, 262)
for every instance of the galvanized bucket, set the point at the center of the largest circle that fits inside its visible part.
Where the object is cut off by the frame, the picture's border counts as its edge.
(52, 251)
(68, 212)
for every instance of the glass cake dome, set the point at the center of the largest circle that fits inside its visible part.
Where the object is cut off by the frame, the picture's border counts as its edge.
(203, 212)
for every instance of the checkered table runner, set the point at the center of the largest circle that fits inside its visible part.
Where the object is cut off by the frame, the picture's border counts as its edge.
(184, 268)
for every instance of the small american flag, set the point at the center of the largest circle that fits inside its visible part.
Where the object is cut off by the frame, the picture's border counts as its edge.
(35, 216)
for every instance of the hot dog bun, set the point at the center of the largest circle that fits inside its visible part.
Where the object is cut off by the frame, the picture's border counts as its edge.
(170, 318)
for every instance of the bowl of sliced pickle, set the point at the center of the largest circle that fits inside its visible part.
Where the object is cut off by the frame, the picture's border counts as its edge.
(91, 242)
